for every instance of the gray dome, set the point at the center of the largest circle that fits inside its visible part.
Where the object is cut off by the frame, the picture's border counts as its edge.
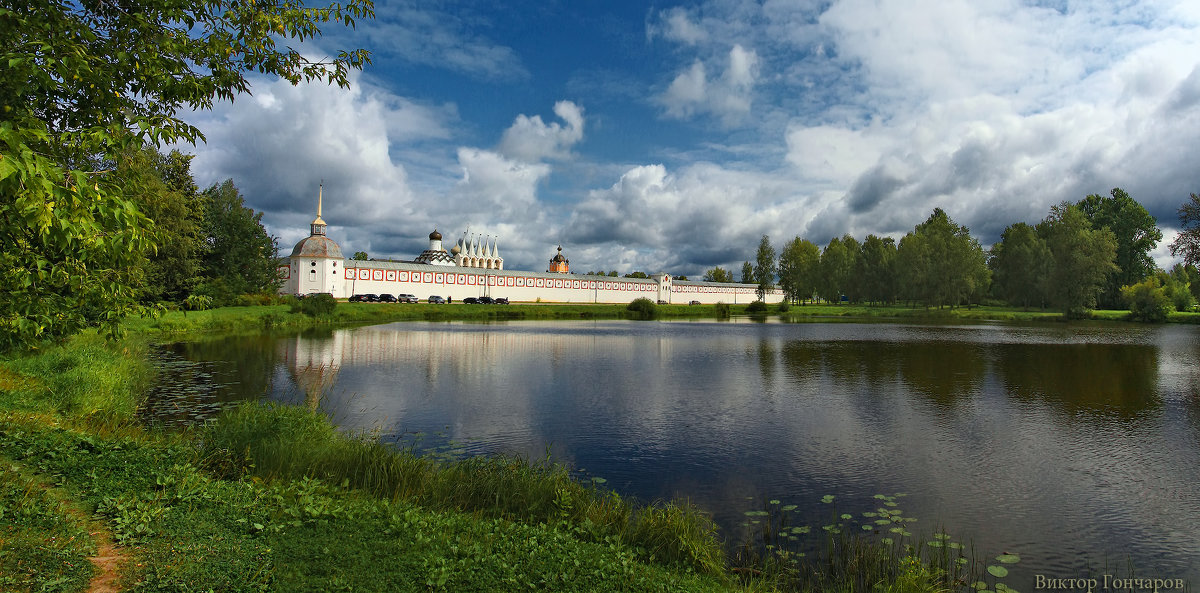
(317, 246)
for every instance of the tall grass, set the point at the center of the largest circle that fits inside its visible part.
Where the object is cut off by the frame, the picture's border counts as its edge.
(84, 378)
(277, 441)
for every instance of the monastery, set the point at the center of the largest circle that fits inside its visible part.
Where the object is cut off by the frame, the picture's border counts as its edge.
(474, 267)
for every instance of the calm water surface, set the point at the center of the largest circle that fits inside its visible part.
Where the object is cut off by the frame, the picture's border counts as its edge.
(1071, 445)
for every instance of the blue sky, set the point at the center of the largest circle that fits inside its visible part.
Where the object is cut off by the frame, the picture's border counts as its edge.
(671, 136)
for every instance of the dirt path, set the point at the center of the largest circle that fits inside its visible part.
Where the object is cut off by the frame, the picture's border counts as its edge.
(108, 561)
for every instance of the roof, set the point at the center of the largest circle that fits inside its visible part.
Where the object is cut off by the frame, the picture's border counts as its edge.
(317, 246)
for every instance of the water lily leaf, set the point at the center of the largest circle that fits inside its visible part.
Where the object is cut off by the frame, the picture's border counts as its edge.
(1001, 587)
(960, 561)
(870, 514)
(955, 546)
(828, 498)
(774, 501)
(887, 540)
(941, 536)
(882, 522)
(789, 507)
(1008, 558)
(867, 527)
(847, 516)
(936, 543)
(599, 480)
(979, 585)
(997, 571)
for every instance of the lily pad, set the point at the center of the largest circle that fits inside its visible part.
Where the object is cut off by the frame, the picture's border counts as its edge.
(774, 501)
(790, 507)
(828, 498)
(997, 571)
(847, 516)
(1008, 558)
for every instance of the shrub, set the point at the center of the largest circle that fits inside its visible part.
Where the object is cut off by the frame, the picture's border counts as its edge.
(723, 310)
(643, 307)
(197, 302)
(756, 307)
(784, 306)
(1148, 301)
(321, 303)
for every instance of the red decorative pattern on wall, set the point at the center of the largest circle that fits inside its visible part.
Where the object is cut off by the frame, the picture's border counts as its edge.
(439, 278)
(390, 275)
(285, 272)
(461, 278)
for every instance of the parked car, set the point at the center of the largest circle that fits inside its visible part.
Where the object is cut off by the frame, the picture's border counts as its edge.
(500, 301)
(484, 300)
(387, 298)
(662, 302)
(370, 297)
(358, 298)
(436, 300)
(409, 298)
(470, 301)
(694, 303)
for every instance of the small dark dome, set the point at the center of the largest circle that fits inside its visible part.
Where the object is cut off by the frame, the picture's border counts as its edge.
(559, 257)
(435, 236)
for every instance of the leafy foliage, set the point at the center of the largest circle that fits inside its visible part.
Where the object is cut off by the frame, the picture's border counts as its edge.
(1148, 301)
(799, 269)
(718, 274)
(1081, 258)
(1019, 264)
(85, 81)
(1136, 233)
(764, 269)
(239, 257)
(643, 308)
(1187, 244)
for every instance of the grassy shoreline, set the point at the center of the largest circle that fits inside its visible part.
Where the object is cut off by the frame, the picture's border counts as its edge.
(272, 498)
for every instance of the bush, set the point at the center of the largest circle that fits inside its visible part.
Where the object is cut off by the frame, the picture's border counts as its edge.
(643, 307)
(1148, 301)
(784, 306)
(321, 303)
(756, 307)
(723, 310)
(197, 302)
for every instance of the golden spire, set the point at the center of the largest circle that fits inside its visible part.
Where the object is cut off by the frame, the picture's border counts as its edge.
(320, 193)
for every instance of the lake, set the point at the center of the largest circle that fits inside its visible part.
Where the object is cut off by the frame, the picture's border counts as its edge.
(1072, 445)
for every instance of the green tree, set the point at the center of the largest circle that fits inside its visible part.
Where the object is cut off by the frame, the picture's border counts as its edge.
(956, 268)
(636, 275)
(1147, 300)
(799, 268)
(718, 274)
(1187, 244)
(239, 255)
(1137, 234)
(360, 256)
(878, 269)
(912, 267)
(83, 81)
(764, 268)
(747, 273)
(163, 189)
(853, 285)
(836, 267)
(1081, 258)
(1020, 262)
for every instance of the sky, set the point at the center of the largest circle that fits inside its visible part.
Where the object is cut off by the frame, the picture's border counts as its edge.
(669, 137)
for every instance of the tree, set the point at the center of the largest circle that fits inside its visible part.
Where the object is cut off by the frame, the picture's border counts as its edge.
(360, 256)
(83, 81)
(878, 269)
(1187, 244)
(764, 269)
(163, 189)
(955, 269)
(747, 273)
(836, 267)
(718, 274)
(636, 275)
(1020, 262)
(1137, 234)
(1081, 258)
(799, 267)
(239, 255)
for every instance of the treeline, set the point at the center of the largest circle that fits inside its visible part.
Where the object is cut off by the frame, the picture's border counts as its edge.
(207, 248)
(1092, 253)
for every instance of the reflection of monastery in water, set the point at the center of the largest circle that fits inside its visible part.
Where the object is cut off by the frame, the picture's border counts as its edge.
(474, 267)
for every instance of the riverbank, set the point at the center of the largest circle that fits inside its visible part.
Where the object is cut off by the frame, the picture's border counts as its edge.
(272, 498)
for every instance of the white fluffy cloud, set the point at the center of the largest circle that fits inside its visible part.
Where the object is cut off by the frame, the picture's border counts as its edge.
(728, 96)
(530, 139)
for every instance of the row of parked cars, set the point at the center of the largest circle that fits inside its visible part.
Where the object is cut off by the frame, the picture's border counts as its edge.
(383, 298)
(435, 299)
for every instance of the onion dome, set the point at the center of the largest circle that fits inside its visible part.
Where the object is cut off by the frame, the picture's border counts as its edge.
(559, 257)
(435, 236)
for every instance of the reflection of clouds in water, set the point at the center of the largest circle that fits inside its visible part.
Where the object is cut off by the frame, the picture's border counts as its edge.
(1015, 435)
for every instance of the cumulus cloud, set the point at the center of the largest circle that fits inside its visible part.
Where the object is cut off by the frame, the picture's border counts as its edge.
(728, 97)
(530, 139)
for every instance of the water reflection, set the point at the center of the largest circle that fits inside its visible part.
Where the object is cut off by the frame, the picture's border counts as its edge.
(1060, 442)
(1119, 379)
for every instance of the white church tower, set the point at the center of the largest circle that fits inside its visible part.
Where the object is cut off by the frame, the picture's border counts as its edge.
(316, 261)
